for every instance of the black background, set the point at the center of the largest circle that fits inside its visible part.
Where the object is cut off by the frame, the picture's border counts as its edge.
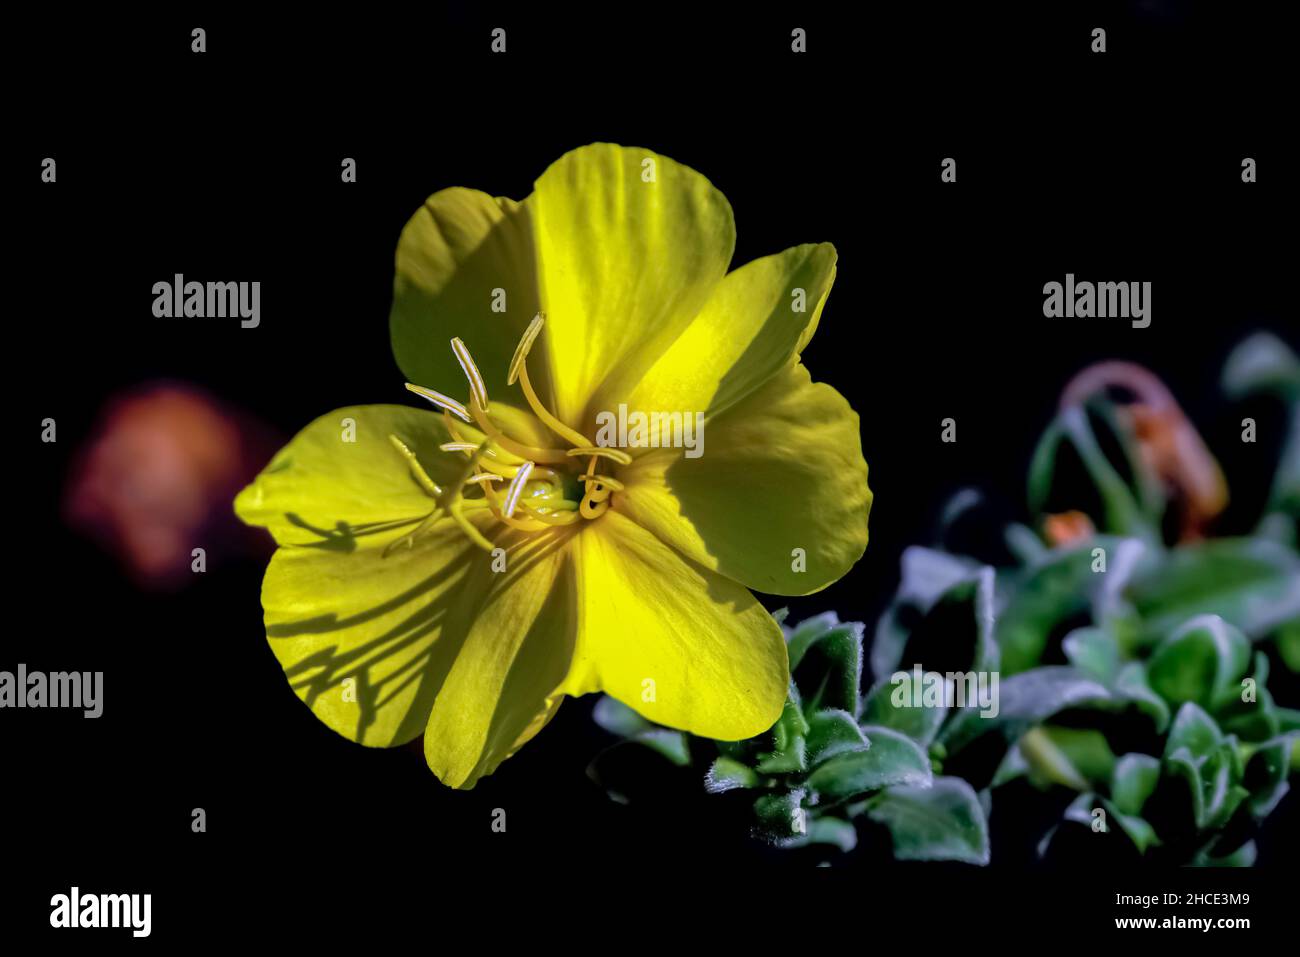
(1117, 166)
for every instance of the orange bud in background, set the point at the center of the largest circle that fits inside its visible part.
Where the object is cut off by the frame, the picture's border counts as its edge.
(157, 477)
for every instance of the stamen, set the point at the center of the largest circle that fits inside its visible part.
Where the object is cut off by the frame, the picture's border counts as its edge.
(409, 538)
(567, 517)
(516, 488)
(573, 435)
(618, 455)
(519, 370)
(441, 401)
(484, 477)
(455, 511)
(527, 452)
(530, 524)
(525, 346)
(508, 471)
(452, 501)
(458, 446)
(478, 391)
(490, 453)
(417, 470)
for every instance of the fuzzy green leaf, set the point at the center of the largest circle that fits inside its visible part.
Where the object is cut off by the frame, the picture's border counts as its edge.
(943, 822)
(1133, 781)
(726, 774)
(1252, 584)
(832, 732)
(909, 715)
(892, 759)
(1094, 651)
(1025, 699)
(1199, 661)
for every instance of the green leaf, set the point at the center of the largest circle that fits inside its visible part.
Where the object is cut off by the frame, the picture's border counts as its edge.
(892, 759)
(1083, 810)
(726, 774)
(943, 822)
(1250, 583)
(1209, 763)
(1199, 661)
(1288, 719)
(1262, 363)
(1013, 766)
(832, 732)
(1136, 828)
(1288, 645)
(1266, 774)
(625, 768)
(1048, 764)
(1133, 781)
(1243, 856)
(1193, 730)
(1086, 749)
(833, 831)
(1094, 651)
(1123, 513)
(1025, 699)
(1131, 687)
(927, 574)
(1037, 599)
(1255, 720)
(671, 744)
(826, 662)
(781, 816)
(910, 716)
(799, 638)
(617, 718)
(789, 745)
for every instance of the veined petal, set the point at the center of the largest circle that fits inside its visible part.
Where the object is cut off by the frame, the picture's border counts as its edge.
(342, 479)
(758, 319)
(360, 633)
(677, 643)
(630, 245)
(514, 634)
(780, 471)
(461, 254)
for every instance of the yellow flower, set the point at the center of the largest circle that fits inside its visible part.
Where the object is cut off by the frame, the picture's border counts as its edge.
(458, 572)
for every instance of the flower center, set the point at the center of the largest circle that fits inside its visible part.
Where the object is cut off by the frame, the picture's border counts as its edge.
(524, 486)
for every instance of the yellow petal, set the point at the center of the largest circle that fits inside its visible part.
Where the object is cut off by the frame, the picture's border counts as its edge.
(341, 479)
(374, 631)
(756, 322)
(463, 255)
(630, 245)
(360, 633)
(681, 645)
(514, 635)
(778, 499)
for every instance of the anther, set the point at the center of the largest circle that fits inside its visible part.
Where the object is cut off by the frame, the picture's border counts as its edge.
(478, 391)
(441, 401)
(516, 488)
